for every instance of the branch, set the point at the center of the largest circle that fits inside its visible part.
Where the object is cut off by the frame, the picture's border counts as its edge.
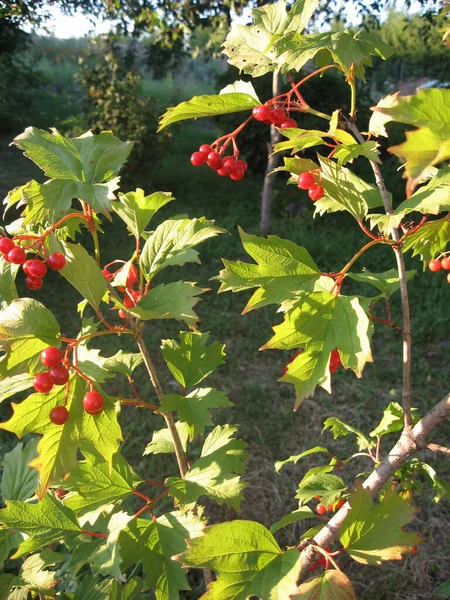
(437, 448)
(408, 444)
(168, 417)
(406, 391)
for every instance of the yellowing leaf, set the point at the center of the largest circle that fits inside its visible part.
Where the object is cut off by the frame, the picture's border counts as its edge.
(332, 585)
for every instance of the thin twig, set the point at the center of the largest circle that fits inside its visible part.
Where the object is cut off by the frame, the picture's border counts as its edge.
(438, 448)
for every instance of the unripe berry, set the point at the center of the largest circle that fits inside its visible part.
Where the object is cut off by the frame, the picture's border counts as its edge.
(316, 192)
(445, 262)
(6, 244)
(43, 383)
(321, 509)
(51, 356)
(56, 261)
(288, 124)
(34, 283)
(17, 256)
(261, 113)
(35, 268)
(434, 265)
(59, 375)
(306, 180)
(93, 403)
(198, 159)
(277, 116)
(59, 415)
(214, 160)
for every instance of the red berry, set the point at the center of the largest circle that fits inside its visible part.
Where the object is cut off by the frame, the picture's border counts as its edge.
(330, 507)
(316, 192)
(277, 116)
(5, 256)
(228, 165)
(133, 276)
(214, 160)
(59, 415)
(57, 261)
(445, 262)
(448, 278)
(414, 549)
(321, 560)
(131, 299)
(205, 149)
(122, 314)
(34, 283)
(261, 113)
(312, 568)
(106, 274)
(434, 265)
(59, 375)
(237, 174)
(25, 266)
(243, 164)
(6, 244)
(340, 504)
(51, 356)
(335, 360)
(93, 403)
(316, 497)
(306, 180)
(288, 124)
(59, 493)
(17, 256)
(321, 509)
(198, 159)
(222, 172)
(36, 268)
(43, 382)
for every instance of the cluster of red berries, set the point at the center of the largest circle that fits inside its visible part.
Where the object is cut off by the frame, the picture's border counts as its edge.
(273, 116)
(93, 404)
(34, 269)
(436, 264)
(321, 509)
(226, 166)
(307, 181)
(131, 296)
(320, 561)
(56, 375)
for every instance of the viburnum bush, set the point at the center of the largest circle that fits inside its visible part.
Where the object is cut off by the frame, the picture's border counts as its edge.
(67, 496)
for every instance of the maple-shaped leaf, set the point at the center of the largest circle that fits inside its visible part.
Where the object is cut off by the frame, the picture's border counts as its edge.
(12, 385)
(432, 198)
(155, 543)
(392, 420)
(26, 328)
(295, 166)
(300, 139)
(136, 209)
(123, 362)
(294, 517)
(346, 153)
(130, 591)
(319, 323)
(295, 458)
(34, 575)
(19, 480)
(372, 533)
(190, 361)
(8, 290)
(193, 409)
(247, 559)
(331, 585)
(172, 243)
(329, 487)
(387, 283)
(44, 522)
(429, 240)
(378, 120)
(107, 558)
(162, 442)
(283, 270)
(96, 483)
(339, 429)
(59, 444)
(216, 473)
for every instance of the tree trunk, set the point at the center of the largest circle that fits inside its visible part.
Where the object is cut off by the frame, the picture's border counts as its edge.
(272, 162)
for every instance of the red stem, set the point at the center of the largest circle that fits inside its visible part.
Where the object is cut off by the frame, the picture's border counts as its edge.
(92, 534)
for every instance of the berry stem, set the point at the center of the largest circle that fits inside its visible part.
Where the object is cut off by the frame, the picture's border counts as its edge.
(141, 511)
(92, 534)
(80, 373)
(360, 253)
(232, 135)
(367, 231)
(414, 229)
(327, 556)
(140, 403)
(143, 496)
(50, 230)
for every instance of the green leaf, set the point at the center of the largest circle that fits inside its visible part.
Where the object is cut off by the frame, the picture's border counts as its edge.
(19, 481)
(295, 166)
(15, 384)
(216, 473)
(59, 444)
(319, 323)
(34, 576)
(26, 328)
(9, 540)
(241, 87)
(193, 409)
(432, 198)
(378, 120)
(91, 589)
(162, 441)
(129, 591)
(123, 362)
(283, 271)
(191, 361)
(169, 301)
(107, 558)
(8, 272)
(7, 582)
(392, 420)
(429, 240)
(171, 244)
(331, 585)
(294, 517)
(440, 487)
(44, 522)
(339, 429)
(247, 559)
(294, 459)
(155, 542)
(208, 106)
(387, 282)
(88, 158)
(421, 150)
(96, 483)
(84, 274)
(348, 152)
(348, 191)
(136, 209)
(300, 139)
(443, 591)
(329, 487)
(372, 533)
